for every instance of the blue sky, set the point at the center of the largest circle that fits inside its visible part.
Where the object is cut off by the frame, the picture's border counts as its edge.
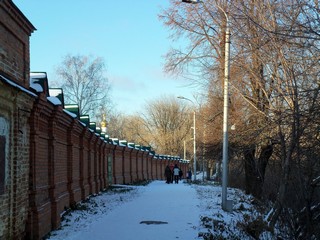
(126, 33)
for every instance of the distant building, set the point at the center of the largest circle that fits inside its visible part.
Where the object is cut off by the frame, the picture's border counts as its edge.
(104, 124)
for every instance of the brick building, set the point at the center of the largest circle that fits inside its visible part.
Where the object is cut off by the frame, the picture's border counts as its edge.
(16, 102)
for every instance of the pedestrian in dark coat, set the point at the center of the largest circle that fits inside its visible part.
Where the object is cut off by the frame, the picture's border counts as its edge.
(180, 174)
(168, 174)
(171, 167)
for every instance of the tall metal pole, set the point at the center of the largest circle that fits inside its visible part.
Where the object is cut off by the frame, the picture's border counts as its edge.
(194, 140)
(226, 205)
(194, 146)
(225, 117)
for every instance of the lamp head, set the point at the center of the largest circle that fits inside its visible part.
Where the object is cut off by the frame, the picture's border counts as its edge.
(191, 1)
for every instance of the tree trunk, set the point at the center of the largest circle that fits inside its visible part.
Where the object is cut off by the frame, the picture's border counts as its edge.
(249, 166)
(255, 169)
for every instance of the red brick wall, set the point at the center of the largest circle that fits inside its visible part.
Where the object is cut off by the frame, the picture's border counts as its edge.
(60, 167)
(85, 186)
(108, 153)
(99, 165)
(40, 158)
(69, 162)
(154, 168)
(94, 164)
(144, 165)
(134, 165)
(140, 166)
(127, 165)
(149, 165)
(104, 165)
(75, 161)
(118, 165)
(184, 168)
(163, 164)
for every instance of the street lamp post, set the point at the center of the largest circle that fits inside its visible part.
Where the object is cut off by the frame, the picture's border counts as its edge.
(194, 147)
(226, 204)
(194, 140)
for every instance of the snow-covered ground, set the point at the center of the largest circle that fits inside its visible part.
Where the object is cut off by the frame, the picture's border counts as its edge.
(159, 211)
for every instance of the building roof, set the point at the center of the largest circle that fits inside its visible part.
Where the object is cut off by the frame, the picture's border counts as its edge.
(18, 16)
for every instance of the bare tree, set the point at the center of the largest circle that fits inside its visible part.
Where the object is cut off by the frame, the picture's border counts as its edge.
(204, 25)
(131, 128)
(164, 125)
(274, 68)
(116, 123)
(84, 83)
(284, 88)
(168, 121)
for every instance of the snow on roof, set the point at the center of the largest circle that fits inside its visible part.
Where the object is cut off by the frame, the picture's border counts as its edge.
(36, 86)
(34, 80)
(54, 100)
(2, 78)
(38, 75)
(55, 91)
(82, 123)
(70, 113)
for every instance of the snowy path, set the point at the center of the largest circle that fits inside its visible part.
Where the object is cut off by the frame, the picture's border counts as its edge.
(176, 204)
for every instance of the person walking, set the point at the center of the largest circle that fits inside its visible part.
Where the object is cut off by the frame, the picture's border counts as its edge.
(176, 171)
(180, 174)
(168, 174)
(172, 176)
